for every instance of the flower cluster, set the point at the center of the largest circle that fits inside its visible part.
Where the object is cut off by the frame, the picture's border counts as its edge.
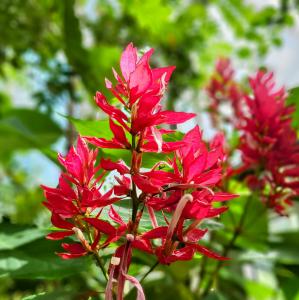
(269, 143)
(182, 188)
(223, 88)
(75, 199)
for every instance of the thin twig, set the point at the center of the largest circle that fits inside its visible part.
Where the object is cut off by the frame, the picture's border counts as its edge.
(238, 230)
(100, 264)
(149, 271)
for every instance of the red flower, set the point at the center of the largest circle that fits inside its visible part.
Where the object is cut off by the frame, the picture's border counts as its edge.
(179, 241)
(194, 167)
(185, 191)
(140, 92)
(77, 195)
(269, 143)
(80, 163)
(138, 77)
(222, 88)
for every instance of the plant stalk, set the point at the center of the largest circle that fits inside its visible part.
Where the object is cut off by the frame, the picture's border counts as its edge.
(237, 231)
(152, 268)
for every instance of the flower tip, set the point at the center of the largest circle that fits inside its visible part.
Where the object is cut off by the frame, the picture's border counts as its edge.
(130, 45)
(172, 68)
(108, 83)
(49, 237)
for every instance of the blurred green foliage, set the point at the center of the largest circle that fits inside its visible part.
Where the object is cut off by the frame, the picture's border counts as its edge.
(59, 53)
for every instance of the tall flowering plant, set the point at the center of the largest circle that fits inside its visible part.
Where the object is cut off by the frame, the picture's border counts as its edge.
(267, 170)
(184, 188)
(222, 88)
(267, 141)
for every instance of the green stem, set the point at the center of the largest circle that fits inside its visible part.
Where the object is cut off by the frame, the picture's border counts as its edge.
(149, 271)
(203, 267)
(100, 264)
(135, 200)
(237, 231)
(133, 227)
(96, 254)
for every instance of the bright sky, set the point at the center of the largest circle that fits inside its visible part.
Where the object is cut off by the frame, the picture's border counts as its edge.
(285, 60)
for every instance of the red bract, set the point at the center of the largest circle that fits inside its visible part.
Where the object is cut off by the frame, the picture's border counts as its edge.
(269, 143)
(138, 78)
(183, 187)
(140, 91)
(180, 241)
(194, 168)
(222, 88)
(77, 194)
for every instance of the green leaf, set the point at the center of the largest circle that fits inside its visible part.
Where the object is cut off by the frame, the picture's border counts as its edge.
(148, 159)
(26, 129)
(180, 270)
(37, 260)
(78, 56)
(244, 52)
(264, 16)
(96, 128)
(163, 289)
(286, 245)
(230, 285)
(24, 254)
(254, 230)
(57, 295)
(13, 236)
(144, 14)
(259, 291)
(289, 287)
(5, 102)
(293, 99)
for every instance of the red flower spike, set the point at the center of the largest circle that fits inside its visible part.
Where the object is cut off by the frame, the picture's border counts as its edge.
(183, 187)
(194, 235)
(79, 162)
(140, 80)
(222, 88)
(143, 245)
(268, 142)
(59, 222)
(183, 254)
